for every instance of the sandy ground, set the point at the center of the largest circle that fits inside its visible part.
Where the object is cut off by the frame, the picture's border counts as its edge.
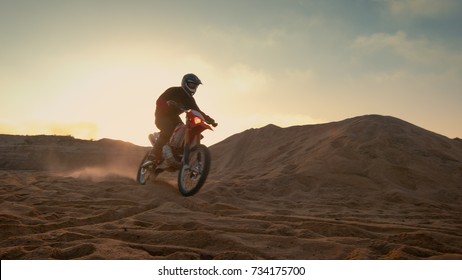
(370, 187)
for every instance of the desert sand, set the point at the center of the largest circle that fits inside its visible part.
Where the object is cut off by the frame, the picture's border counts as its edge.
(369, 187)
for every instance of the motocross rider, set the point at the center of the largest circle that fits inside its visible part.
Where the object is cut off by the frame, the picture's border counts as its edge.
(170, 105)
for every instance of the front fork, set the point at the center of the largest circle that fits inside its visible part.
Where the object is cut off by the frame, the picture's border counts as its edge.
(186, 153)
(187, 147)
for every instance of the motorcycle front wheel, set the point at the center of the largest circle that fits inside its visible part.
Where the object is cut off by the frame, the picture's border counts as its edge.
(194, 172)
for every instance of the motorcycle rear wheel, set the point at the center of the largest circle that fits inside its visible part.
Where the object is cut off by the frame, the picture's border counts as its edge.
(144, 170)
(192, 174)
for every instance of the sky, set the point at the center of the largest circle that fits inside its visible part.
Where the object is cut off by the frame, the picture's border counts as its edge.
(93, 69)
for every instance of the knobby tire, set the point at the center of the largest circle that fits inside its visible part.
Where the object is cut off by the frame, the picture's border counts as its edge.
(143, 173)
(190, 181)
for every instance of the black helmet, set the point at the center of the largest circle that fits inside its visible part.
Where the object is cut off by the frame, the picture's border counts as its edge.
(191, 79)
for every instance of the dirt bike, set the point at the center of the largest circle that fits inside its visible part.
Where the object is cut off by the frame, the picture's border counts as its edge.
(184, 153)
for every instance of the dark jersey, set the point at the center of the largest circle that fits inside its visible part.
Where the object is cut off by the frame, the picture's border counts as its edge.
(178, 95)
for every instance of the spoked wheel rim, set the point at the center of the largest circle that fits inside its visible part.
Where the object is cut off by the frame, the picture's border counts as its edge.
(193, 171)
(144, 171)
(193, 174)
(144, 175)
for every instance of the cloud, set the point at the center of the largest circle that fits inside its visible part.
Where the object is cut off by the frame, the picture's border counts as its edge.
(421, 8)
(242, 79)
(398, 43)
(407, 66)
(420, 52)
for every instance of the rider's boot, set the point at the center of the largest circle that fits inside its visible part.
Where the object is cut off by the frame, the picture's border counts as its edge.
(152, 156)
(156, 153)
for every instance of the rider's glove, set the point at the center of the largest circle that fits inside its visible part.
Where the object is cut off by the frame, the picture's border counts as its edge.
(211, 121)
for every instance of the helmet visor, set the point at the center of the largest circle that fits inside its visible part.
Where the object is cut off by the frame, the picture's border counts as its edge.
(193, 85)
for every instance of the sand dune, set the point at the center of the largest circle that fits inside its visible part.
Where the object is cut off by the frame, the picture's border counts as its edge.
(370, 187)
